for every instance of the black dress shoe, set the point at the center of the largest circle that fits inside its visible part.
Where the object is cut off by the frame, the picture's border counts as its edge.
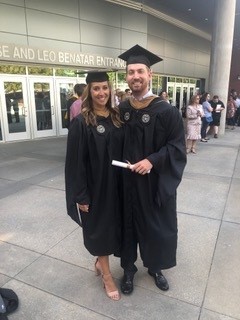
(127, 283)
(160, 280)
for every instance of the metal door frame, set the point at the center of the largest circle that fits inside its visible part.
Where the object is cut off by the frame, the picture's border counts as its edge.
(47, 132)
(14, 136)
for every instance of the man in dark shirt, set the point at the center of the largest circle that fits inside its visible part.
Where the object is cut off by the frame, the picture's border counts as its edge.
(218, 107)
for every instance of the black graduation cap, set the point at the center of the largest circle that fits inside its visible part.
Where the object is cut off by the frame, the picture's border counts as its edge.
(98, 76)
(138, 54)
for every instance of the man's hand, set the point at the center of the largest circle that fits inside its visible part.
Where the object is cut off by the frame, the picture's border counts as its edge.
(142, 167)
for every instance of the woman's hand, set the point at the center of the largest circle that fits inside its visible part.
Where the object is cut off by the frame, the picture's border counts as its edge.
(83, 207)
(199, 113)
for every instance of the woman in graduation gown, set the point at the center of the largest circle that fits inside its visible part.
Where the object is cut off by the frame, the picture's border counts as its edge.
(92, 183)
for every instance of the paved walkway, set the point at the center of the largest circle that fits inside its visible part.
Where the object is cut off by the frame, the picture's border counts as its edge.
(43, 259)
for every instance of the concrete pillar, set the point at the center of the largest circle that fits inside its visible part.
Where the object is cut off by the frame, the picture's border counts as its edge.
(221, 52)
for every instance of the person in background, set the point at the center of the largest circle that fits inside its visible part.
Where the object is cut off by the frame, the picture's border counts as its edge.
(77, 93)
(237, 114)
(207, 117)
(16, 108)
(231, 110)
(116, 96)
(121, 96)
(217, 106)
(233, 93)
(40, 110)
(92, 183)
(164, 96)
(128, 93)
(8, 107)
(154, 143)
(75, 107)
(194, 113)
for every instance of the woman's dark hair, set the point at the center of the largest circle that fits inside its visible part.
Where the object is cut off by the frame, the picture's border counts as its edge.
(79, 88)
(161, 92)
(204, 97)
(88, 111)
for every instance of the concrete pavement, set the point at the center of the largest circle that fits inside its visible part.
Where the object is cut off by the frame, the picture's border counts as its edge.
(43, 259)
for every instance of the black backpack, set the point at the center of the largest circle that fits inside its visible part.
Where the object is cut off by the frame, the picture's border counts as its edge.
(8, 302)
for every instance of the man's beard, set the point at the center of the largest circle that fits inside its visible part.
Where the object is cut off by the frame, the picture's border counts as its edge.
(137, 86)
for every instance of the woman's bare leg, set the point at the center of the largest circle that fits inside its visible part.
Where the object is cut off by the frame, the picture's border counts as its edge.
(109, 284)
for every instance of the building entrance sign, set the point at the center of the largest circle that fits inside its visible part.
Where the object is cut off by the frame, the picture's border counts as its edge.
(17, 53)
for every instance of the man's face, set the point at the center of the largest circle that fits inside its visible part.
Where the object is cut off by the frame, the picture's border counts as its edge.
(138, 78)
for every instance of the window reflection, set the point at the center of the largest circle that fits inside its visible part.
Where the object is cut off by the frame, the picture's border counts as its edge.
(43, 106)
(12, 69)
(170, 94)
(16, 112)
(40, 71)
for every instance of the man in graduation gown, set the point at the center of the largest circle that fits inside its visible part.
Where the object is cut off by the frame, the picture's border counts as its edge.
(154, 143)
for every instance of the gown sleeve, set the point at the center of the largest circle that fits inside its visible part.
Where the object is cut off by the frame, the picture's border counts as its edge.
(76, 168)
(170, 160)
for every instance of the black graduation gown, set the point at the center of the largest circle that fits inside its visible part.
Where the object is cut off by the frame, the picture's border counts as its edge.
(156, 133)
(91, 179)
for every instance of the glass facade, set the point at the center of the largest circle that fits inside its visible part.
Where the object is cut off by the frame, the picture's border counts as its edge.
(33, 98)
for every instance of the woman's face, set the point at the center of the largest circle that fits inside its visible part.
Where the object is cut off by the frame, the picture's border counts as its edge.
(196, 100)
(164, 95)
(100, 93)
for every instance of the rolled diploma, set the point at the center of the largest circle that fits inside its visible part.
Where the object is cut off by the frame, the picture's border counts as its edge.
(121, 164)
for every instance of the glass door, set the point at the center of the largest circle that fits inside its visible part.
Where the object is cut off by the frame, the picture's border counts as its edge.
(178, 96)
(180, 93)
(64, 89)
(42, 107)
(14, 122)
(192, 90)
(170, 91)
